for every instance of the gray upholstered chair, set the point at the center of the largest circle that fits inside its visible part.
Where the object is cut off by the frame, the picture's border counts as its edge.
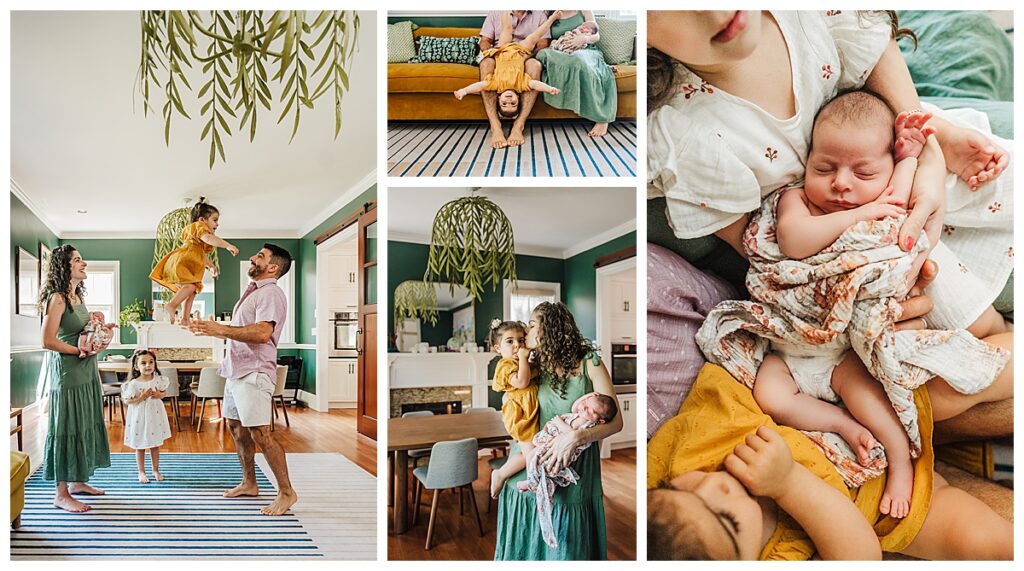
(453, 466)
(416, 455)
(211, 386)
(170, 372)
(282, 378)
(111, 386)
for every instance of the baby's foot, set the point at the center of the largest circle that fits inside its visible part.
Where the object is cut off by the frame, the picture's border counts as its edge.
(860, 439)
(899, 486)
(143, 478)
(497, 482)
(159, 477)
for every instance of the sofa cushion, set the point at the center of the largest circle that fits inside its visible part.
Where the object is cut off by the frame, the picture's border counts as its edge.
(401, 47)
(618, 38)
(431, 49)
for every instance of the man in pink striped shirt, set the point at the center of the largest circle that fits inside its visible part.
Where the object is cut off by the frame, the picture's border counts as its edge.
(250, 368)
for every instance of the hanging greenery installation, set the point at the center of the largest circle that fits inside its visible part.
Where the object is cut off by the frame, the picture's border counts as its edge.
(415, 300)
(472, 245)
(237, 50)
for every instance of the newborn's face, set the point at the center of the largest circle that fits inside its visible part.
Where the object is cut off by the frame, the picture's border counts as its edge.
(847, 166)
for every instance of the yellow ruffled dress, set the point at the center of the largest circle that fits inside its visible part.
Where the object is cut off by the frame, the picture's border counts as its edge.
(520, 409)
(720, 412)
(509, 69)
(186, 263)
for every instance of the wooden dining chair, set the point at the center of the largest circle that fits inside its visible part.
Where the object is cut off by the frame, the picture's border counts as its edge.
(453, 466)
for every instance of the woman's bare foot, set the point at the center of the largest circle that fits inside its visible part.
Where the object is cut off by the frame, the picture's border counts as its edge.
(860, 439)
(159, 477)
(243, 489)
(83, 488)
(143, 478)
(497, 483)
(515, 136)
(899, 485)
(284, 501)
(69, 504)
(599, 130)
(498, 140)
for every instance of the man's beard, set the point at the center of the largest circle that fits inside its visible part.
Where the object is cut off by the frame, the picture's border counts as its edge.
(254, 270)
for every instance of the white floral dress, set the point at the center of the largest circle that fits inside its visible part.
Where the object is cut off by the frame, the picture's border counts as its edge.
(146, 423)
(715, 157)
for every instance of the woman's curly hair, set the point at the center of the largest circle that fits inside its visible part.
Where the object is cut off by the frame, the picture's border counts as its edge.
(561, 347)
(58, 278)
(663, 72)
(203, 209)
(136, 373)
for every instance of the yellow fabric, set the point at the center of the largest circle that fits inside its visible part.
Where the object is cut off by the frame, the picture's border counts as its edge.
(186, 263)
(718, 415)
(509, 69)
(19, 473)
(520, 409)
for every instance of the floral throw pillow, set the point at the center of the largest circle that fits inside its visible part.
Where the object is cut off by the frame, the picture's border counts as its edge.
(446, 50)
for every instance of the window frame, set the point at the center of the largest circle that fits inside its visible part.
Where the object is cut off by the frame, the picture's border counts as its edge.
(111, 267)
(507, 291)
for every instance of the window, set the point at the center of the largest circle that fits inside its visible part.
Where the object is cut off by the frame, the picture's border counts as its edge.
(526, 295)
(287, 284)
(102, 291)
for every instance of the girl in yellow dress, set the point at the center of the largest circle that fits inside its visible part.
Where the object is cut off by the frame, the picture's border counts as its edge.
(509, 78)
(182, 269)
(515, 377)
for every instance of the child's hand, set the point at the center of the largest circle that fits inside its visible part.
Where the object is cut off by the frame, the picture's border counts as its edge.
(912, 133)
(763, 464)
(460, 93)
(884, 206)
(971, 155)
(214, 271)
(231, 248)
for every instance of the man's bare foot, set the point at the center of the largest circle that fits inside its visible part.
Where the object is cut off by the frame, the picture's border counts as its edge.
(860, 439)
(243, 489)
(498, 140)
(69, 504)
(83, 488)
(284, 501)
(159, 477)
(899, 486)
(143, 478)
(497, 482)
(599, 130)
(515, 136)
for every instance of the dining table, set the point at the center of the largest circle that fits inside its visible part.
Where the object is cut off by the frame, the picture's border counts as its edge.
(418, 432)
(125, 366)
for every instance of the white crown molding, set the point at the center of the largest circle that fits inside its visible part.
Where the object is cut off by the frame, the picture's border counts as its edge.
(603, 237)
(361, 186)
(520, 250)
(20, 193)
(245, 235)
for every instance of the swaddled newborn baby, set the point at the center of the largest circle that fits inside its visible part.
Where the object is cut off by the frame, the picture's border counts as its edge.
(565, 44)
(96, 335)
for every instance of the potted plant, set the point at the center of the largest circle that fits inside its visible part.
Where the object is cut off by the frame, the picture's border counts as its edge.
(132, 314)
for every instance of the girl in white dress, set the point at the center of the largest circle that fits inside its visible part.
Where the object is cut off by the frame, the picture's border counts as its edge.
(145, 425)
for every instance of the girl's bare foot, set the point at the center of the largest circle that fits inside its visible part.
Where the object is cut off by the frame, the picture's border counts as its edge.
(172, 313)
(599, 130)
(143, 478)
(497, 482)
(159, 477)
(69, 504)
(185, 321)
(83, 488)
(860, 439)
(243, 489)
(899, 485)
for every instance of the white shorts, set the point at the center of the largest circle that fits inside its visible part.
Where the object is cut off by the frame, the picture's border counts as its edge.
(248, 399)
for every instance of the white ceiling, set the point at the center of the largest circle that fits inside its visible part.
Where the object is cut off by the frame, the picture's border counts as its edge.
(552, 222)
(79, 139)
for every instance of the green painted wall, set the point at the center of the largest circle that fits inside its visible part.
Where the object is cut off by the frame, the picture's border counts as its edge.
(408, 261)
(580, 291)
(442, 21)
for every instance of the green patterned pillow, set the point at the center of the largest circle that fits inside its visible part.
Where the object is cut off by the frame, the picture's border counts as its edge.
(618, 38)
(401, 47)
(446, 50)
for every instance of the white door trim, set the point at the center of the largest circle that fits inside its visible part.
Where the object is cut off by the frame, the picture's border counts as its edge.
(320, 401)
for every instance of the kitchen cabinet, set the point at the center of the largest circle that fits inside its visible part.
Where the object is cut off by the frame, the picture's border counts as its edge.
(343, 281)
(342, 382)
(626, 438)
(622, 297)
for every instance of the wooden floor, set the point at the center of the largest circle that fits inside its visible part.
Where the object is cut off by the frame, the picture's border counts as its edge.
(457, 538)
(310, 431)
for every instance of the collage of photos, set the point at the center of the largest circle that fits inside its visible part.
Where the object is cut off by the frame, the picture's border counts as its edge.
(208, 205)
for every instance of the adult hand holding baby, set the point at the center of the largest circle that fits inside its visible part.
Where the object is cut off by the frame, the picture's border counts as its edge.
(558, 454)
(917, 304)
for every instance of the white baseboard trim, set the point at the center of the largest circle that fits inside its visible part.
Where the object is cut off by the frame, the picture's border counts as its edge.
(310, 400)
(341, 405)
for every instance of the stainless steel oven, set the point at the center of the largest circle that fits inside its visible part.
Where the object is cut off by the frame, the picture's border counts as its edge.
(344, 331)
(623, 364)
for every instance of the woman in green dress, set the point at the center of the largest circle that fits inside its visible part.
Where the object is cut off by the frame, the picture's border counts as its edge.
(76, 436)
(586, 83)
(569, 369)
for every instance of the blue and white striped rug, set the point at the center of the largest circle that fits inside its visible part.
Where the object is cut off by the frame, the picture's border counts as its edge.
(552, 148)
(186, 516)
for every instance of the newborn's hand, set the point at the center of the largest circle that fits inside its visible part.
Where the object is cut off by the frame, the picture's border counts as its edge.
(886, 206)
(972, 156)
(911, 134)
(762, 464)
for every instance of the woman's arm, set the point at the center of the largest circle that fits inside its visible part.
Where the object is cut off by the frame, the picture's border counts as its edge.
(559, 451)
(51, 321)
(733, 234)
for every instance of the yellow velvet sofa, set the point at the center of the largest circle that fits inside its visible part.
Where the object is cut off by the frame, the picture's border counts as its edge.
(423, 91)
(19, 473)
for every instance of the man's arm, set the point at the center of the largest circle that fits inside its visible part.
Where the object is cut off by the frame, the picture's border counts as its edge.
(256, 333)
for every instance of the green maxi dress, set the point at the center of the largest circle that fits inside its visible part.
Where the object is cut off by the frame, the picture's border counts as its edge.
(76, 437)
(577, 510)
(586, 82)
